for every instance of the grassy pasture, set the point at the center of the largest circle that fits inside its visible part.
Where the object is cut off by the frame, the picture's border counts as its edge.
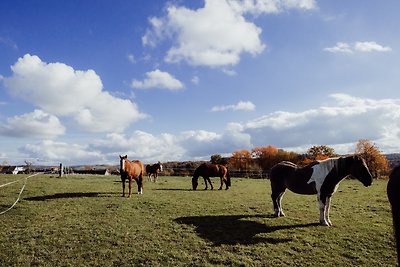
(84, 221)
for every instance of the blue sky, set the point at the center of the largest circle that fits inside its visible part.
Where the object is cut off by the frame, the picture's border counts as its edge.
(84, 81)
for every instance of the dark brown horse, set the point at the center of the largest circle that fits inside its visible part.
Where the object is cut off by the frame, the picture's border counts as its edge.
(321, 178)
(131, 170)
(153, 170)
(207, 170)
(393, 193)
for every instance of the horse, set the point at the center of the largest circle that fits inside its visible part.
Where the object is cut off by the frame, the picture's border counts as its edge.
(207, 170)
(131, 170)
(393, 193)
(320, 177)
(153, 170)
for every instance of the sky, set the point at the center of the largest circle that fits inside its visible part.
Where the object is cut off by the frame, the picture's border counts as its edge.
(82, 82)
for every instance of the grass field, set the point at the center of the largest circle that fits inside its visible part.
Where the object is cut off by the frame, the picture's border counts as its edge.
(84, 221)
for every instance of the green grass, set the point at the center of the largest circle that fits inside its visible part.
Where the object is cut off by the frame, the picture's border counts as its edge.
(84, 221)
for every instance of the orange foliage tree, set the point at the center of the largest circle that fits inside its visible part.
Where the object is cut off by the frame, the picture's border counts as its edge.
(376, 161)
(240, 159)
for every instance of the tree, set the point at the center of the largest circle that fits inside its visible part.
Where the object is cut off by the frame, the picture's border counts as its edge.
(216, 159)
(265, 156)
(377, 162)
(240, 159)
(320, 152)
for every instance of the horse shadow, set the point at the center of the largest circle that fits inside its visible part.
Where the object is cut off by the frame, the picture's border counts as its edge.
(69, 195)
(236, 229)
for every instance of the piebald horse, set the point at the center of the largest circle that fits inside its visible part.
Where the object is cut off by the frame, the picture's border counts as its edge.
(153, 170)
(131, 170)
(320, 177)
(393, 193)
(207, 170)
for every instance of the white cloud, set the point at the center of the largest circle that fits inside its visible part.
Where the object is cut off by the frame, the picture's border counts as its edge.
(370, 47)
(341, 47)
(52, 152)
(345, 121)
(131, 58)
(215, 35)
(60, 90)
(34, 124)
(339, 124)
(158, 79)
(241, 105)
(195, 80)
(258, 7)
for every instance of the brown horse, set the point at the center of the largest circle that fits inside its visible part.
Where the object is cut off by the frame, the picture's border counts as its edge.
(207, 170)
(131, 170)
(321, 178)
(153, 170)
(393, 193)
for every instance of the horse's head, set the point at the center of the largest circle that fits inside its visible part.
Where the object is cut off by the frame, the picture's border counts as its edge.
(360, 171)
(160, 166)
(122, 160)
(194, 182)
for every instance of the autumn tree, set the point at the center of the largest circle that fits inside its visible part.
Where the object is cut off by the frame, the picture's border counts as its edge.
(320, 152)
(376, 161)
(240, 159)
(265, 156)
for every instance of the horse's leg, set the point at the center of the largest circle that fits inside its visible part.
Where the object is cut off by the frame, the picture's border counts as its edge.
(139, 182)
(222, 182)
(155, 177)
(123, 186)
(328, 206)
(211, 185)
(322, 211)
(130, 186)
(205, 181)
(278, 190)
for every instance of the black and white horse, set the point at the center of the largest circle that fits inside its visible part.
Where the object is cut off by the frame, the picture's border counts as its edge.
(393, 193)
(320, 177)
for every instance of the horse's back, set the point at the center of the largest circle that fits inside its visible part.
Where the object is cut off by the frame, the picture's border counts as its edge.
(393, 187)
(136, 168)
(289, 175)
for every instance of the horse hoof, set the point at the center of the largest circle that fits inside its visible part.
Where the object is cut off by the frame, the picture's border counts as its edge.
(324, 224)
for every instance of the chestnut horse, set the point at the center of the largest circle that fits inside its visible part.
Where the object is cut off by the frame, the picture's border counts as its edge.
(393, 193)
(321, 178)
(207, 170)
(153, 170)
(131, 170)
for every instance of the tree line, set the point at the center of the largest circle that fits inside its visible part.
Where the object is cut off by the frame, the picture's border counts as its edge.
(259, 160)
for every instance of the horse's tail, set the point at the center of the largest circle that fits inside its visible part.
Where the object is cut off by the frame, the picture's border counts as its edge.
(228, 177)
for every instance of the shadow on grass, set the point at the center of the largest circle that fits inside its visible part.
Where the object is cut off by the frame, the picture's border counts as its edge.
(172, 189)
(70, 195)
(236, 229)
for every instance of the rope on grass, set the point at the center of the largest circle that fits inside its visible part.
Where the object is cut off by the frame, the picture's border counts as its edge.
(20, 192)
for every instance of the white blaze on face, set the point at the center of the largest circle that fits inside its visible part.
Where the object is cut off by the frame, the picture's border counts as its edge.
(160, 167)
(320, 171)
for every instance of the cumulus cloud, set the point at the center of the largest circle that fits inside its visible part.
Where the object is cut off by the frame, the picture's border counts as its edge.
(345, 121)
(34, 124)
(339, 124)
(52, 152)
(158, 79)
(215, 35)
(370, 47)
(58, 89)
(241, 105)
(341, 47)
